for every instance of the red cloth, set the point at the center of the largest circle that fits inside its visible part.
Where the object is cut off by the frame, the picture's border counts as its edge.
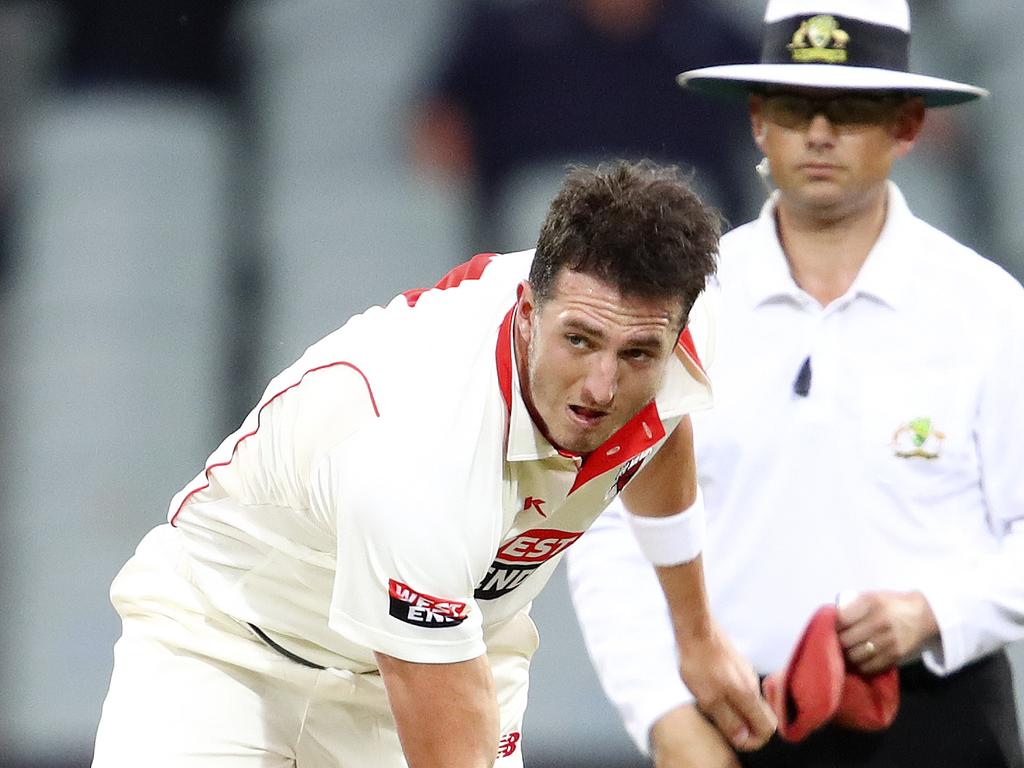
(817, 686)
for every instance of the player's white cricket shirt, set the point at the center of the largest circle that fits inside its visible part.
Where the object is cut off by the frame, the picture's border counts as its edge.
(390, 491)
(900, 469)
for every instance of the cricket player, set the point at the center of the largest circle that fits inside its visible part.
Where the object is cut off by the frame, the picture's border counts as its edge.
(347, 582)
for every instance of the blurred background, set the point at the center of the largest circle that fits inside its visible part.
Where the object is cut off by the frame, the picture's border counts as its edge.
(193, 191)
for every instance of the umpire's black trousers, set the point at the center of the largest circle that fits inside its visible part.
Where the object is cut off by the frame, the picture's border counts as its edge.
(966, 720)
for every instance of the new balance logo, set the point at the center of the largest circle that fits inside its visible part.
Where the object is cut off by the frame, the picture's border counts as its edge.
(422, 610)
(508, 744)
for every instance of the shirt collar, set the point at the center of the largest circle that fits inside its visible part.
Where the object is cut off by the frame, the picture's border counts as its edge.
(525, 441)
(767, 274)
(686, 387)
(886, 274)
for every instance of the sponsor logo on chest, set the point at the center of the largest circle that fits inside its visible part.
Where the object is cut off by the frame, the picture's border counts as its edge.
(519, 557)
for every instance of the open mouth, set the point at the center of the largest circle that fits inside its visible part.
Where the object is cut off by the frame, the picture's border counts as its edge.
(587, 416)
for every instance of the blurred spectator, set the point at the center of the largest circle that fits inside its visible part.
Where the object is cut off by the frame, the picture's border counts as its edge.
(538, 83)
(176, 43)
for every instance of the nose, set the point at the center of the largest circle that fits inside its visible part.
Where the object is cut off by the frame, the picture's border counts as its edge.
(820, 131)
(602, 381)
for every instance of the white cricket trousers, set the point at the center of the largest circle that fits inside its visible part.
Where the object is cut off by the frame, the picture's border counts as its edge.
(193, 687)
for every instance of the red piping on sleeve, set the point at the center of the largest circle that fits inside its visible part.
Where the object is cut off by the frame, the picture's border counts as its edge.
(259, 416)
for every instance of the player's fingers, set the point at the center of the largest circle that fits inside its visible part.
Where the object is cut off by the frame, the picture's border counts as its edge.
(747, 723)
(730, 724)
(759, 719)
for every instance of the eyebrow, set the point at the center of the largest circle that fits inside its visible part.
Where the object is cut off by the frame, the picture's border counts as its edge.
(646, 341)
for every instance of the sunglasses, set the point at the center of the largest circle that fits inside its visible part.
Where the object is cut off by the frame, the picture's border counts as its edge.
(843, 112)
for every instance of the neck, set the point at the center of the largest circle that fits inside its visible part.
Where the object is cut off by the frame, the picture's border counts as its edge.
(826, 247)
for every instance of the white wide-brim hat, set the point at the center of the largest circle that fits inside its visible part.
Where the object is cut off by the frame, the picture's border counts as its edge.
(861, 45)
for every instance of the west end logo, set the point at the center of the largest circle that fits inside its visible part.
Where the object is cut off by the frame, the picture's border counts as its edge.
(820, 39)
(917, 439)
(519, 557)
(423, 610)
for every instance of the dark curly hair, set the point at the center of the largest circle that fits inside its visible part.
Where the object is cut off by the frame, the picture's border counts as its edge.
(637, 226)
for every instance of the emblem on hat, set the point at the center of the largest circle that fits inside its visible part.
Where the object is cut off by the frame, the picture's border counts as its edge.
(917, 439)
(855, 45)
(820, 39)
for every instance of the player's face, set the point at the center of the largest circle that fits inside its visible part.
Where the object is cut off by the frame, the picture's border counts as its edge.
(593, 358)
(831, 151)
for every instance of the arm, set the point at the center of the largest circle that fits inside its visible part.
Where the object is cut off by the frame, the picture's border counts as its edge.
(630, 643)
(446, 714)
(633, 648)
(723, 683)
(971, 611)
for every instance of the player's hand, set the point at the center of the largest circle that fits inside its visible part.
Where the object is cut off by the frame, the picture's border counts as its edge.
(726, 689)
(683, 738)
(879, 629)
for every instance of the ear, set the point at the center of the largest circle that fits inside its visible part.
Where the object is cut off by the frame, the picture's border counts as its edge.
(908, 126)
(526, 311)
(758, 125)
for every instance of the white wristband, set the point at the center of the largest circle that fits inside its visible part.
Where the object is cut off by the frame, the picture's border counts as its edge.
(671, 540)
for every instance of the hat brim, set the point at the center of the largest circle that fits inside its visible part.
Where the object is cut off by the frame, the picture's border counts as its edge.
(742, 79)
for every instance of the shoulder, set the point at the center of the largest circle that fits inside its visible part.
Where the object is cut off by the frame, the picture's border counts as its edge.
(425, 342)
(742, 239)
(737, 247)
(964, 275)
(957, 298)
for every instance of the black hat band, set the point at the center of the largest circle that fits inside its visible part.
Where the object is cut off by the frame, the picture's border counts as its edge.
(829, 39)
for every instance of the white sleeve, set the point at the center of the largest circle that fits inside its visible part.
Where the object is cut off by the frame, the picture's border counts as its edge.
(411, 547)
(625, 624)
(981, 611)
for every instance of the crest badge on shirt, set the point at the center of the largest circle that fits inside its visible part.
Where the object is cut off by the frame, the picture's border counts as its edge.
(626, 473)
(917, 438)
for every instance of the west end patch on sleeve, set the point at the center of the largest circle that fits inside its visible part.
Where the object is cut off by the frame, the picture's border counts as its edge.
(422, 610)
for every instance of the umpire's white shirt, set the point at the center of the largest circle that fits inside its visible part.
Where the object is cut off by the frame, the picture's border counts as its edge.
(902, 468)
